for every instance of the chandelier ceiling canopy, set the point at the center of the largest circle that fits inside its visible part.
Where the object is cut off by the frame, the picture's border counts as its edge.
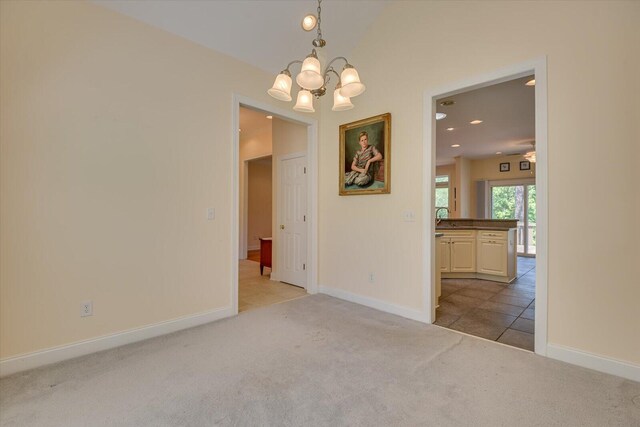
(313, 80)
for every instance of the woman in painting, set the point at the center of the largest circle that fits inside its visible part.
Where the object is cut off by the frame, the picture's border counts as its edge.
(362, 167)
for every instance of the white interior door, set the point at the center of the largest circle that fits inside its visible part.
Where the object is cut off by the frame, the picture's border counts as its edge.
(292, 212)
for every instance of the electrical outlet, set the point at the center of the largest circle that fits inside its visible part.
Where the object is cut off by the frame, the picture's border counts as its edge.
(86, 308)
(372, 278)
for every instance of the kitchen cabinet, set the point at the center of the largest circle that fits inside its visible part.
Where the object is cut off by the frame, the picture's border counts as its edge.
(463, 254)
(482, 254)
(438, 275)
(492, 257)
(458, 252)
(444, 248)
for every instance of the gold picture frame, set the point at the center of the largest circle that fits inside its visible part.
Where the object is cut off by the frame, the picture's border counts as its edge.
(365, 169)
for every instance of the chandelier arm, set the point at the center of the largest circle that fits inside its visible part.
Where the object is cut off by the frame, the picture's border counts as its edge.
(326, 70)
(291, 63)
(326, 75)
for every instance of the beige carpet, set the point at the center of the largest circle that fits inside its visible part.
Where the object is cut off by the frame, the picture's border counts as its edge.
(317, 361)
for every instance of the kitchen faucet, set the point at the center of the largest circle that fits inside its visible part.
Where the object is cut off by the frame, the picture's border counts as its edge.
(438, 220)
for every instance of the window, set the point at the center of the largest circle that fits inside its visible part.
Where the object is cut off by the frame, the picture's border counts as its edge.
(517, 200)
(442, 195)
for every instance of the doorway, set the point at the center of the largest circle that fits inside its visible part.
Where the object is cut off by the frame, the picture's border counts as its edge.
(465, 202)
(277, 136)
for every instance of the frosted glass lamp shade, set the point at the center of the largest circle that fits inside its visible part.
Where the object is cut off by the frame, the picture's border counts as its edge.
(304, 102)
(531, 156)
(310, 77)
(351, 85)
(341, 103)
(281, 88)
(309, 22)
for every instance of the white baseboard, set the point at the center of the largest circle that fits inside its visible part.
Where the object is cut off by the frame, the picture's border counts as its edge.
(36, 359)
(253, 247)
(597, 363)
(554, 351)
(398, 310)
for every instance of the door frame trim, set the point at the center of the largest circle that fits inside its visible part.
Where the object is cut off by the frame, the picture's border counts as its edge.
(538, 67)
(279, 160)
(311, 123)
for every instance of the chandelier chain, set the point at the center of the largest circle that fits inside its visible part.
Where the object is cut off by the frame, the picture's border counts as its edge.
(319, 19)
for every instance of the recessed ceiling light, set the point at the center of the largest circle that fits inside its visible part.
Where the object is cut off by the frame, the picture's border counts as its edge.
(309, 22)
(450, 129)
(475, 122)
(269, 117)
(239, 130)
(447, 103)
(455, 145)
(440, 116)
(498, 152)
(531, 82)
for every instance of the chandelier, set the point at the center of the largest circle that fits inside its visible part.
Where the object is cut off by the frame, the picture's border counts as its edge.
(531, 155)
(313, 81)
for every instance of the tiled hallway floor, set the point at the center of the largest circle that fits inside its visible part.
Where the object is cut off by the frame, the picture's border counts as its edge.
(255, 290)
(492, 310)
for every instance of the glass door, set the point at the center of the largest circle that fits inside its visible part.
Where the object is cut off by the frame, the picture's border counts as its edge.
(517, 201)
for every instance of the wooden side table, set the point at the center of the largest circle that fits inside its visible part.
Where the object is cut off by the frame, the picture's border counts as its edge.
(265, 253)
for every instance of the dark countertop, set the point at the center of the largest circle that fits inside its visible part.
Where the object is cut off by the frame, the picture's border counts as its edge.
(439, 234)
(469, 227)
(476, 224)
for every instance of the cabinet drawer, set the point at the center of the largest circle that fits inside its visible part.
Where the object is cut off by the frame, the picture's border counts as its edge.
(495, 235)
(458, 233)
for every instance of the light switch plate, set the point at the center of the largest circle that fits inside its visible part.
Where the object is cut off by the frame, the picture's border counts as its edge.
(408, 216)
(211, 214)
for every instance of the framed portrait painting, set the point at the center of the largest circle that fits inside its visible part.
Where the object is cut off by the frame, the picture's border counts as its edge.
(365, 156)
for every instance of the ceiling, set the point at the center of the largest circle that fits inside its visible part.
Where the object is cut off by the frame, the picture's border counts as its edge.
(253, 121)
(508, 114)
(266, 34)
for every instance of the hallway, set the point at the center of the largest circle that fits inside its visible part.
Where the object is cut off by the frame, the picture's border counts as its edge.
(258, 291)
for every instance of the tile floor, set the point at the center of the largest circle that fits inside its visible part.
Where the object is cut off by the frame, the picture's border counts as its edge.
(257, 291)
(492, 310)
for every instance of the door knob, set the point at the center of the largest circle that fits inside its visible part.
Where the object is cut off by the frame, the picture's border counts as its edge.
(281, 226)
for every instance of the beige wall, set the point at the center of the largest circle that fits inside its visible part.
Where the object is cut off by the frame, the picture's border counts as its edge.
(115, 139)
(462, 194)
(288, 138)
(593, 64)
(259, 201)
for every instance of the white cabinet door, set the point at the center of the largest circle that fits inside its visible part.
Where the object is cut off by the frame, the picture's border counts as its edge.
(445, 255)
(463, 255)
(492, 257)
